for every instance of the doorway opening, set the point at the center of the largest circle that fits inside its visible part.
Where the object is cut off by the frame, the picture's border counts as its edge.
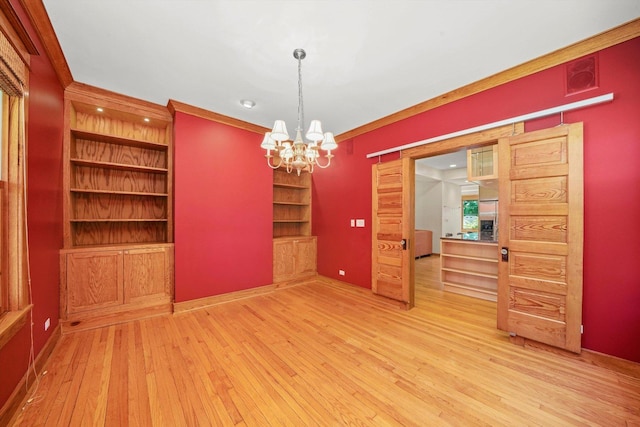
(447, 198)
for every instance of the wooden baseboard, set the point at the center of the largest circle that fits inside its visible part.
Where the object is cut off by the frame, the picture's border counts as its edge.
(200, 303)
(606, 361)
(20, 393)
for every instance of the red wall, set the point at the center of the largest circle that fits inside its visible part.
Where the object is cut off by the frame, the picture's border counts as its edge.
(44, 132)
(612, 200)
(223, 209)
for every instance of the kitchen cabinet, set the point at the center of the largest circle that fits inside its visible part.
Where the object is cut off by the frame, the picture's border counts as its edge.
(482, 163)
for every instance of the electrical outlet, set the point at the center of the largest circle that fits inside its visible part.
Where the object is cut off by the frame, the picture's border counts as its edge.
(47, 323)
(341, 272)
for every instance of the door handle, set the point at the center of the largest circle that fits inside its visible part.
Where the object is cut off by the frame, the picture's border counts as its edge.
(403, 243)
(505, 253)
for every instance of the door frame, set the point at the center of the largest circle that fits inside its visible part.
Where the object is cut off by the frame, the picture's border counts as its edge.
(472, 140)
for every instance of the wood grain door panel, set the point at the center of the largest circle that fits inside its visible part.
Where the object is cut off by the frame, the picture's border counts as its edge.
(146, 273)
(392, 217)
(541, 218)
(94, 280)
(305, 256)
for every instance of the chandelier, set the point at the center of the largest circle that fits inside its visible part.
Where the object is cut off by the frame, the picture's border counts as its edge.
(298, 155)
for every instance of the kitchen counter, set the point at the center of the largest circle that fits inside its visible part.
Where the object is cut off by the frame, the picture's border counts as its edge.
(468, 240)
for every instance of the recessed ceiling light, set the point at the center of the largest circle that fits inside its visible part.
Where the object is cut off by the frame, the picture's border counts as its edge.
(99, 109)
(146, 119)
(452, 166)
(247, 103)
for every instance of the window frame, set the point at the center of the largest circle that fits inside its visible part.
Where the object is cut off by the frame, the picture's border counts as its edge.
(15, 303)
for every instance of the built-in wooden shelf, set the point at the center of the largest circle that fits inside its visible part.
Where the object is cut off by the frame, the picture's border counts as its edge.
(470, 273)
(123, 193)
(118, 166)
(291, 203)
(120, 220)
(469, 267)
(293, 186)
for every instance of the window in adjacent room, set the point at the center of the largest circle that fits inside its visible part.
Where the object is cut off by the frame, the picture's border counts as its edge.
(469, 214)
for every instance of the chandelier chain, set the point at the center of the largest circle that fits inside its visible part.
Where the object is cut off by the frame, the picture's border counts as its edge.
(300, 99)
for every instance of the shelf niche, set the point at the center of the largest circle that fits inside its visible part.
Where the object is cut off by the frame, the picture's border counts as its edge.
(291, 204)
(117, 172)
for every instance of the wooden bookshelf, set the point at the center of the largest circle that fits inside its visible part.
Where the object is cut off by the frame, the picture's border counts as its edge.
(117, 260)
(294, 248)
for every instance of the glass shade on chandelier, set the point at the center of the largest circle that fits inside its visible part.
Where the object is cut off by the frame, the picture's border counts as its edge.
(298, 155)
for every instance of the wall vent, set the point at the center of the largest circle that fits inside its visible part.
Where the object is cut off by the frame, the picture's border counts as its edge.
(581, 74)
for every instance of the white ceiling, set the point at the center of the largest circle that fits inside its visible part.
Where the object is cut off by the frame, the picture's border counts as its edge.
(366, 59)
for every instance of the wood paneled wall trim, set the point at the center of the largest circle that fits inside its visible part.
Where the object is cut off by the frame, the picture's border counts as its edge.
(174, 106)
(593, 44)
(12, 404)
(40, 20)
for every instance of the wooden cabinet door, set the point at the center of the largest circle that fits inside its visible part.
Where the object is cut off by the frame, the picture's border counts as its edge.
(94, 280)
(393, 226)
(146, 273)
(283, 260)
(541, 224)
(305, 254)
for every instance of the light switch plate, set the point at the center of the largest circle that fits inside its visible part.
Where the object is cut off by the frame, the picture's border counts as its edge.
(359, 222)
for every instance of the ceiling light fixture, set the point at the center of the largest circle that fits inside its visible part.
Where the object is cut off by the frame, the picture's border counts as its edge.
(298, 155)
(247, 103)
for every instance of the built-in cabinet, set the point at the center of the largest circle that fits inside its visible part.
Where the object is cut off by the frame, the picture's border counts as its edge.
(294, 249)
(469, 267)
(109, 282)
(117, 254)
(294, 258)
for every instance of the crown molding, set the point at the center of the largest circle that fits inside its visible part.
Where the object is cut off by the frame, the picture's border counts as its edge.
(174, 106)
(42, 25)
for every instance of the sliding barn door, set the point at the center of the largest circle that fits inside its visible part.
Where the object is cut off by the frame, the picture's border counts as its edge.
(541, 240)
(392, 230)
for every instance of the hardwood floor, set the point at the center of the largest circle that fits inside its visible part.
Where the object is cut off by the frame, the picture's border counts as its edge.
(325, 353)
